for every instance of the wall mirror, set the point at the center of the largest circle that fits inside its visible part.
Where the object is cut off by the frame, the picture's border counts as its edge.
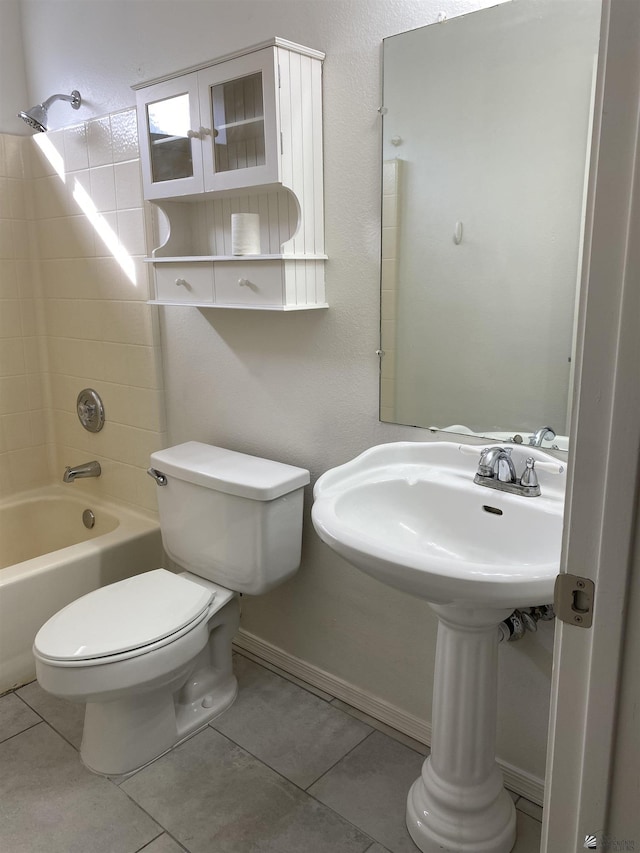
(486, 136)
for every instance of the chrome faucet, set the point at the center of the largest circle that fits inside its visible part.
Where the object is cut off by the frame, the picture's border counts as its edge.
(89, 469)
(496, 463)
(545, 432)
(497, 471)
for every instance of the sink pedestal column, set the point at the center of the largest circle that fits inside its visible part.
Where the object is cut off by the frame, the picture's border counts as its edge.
(459, 803)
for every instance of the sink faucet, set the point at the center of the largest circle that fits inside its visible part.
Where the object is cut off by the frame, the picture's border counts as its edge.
(89, 469)
(497, 471)
(496, 463)
(545, 432)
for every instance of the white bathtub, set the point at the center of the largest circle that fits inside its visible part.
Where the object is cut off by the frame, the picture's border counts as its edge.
(48, 558)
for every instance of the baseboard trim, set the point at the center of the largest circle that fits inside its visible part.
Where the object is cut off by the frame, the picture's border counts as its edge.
(523, 783)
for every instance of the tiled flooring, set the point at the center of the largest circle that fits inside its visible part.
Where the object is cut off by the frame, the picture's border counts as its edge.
(285, 770)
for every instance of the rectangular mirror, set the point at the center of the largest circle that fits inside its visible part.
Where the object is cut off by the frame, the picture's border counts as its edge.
(486, 132)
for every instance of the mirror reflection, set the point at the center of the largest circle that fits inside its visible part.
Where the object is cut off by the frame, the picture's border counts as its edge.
(486, 130)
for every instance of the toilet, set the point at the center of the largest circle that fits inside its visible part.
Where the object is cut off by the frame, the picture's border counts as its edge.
(151, 655)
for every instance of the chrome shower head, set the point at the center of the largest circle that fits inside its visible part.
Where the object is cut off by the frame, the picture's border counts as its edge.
(36, 117)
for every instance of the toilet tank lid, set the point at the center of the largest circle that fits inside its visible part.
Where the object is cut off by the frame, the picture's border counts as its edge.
(228, 471)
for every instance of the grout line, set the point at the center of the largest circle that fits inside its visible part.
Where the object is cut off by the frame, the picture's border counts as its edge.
(119, 779)
(305, 790)
(351, 710)
(335, 763)
(155, 838)
(210, 726)
(315, 691)
(17, 734)
(49, 724)
(278, 772)
(164, 832)
(383, 728)
(141, 808)
(375, 725)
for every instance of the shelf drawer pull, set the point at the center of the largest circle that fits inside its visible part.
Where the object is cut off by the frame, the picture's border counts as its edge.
(182, 282)
(244, 282)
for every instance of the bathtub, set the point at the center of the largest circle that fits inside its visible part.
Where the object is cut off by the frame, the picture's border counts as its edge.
(48, 558)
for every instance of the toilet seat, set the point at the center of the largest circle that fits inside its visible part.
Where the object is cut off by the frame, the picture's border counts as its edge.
(123, 620)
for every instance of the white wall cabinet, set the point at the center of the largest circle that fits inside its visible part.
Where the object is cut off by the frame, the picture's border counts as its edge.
(241, 134)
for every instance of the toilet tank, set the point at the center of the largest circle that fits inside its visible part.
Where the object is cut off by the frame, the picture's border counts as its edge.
(228, 517)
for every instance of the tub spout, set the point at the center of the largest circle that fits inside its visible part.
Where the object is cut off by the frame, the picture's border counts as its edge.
(89, 469)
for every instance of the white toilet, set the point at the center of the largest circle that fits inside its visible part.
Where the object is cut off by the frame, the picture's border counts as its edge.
(151, 656)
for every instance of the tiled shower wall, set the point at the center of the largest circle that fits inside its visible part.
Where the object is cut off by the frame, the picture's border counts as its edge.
(25, 432)
(90, 239)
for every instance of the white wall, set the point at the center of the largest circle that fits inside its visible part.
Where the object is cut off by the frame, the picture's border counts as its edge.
(301, 387)
(13, 82)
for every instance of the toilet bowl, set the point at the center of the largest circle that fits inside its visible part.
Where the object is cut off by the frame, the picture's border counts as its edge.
(151, 655)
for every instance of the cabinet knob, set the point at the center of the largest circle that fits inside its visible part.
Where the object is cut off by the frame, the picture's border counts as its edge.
(244, 282)
(182, 282)
(199, 134)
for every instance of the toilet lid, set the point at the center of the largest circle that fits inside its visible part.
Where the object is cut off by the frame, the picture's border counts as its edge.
(123, 616)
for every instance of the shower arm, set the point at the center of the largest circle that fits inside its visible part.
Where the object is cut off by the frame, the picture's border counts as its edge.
(74, 99)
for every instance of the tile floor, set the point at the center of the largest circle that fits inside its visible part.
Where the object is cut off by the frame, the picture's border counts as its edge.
(287, 769)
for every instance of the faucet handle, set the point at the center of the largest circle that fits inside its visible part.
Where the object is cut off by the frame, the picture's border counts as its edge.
(484, 469)
(529, 476)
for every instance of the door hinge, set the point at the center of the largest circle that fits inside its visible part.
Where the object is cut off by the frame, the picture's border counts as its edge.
(573, 600)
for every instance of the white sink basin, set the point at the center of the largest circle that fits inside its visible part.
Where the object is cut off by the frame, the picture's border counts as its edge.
(410, 515)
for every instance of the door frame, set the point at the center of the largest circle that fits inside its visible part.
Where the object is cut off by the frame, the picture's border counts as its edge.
(601, 507)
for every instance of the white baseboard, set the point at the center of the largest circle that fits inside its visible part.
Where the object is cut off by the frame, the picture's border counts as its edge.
(523, 783)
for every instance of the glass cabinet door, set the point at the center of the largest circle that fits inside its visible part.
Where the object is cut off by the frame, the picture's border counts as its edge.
(169, 113)
(239, 96)
(238, 123)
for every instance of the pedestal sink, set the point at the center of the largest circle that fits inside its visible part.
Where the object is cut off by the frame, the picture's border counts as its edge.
(410, 515)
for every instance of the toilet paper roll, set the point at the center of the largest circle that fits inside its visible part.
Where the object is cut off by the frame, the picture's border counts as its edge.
(245, 233)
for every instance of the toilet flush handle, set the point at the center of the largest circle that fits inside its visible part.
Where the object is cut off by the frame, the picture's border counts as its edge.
(158, 476)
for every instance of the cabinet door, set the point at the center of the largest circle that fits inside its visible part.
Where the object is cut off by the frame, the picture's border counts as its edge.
(169, 132)
(241, 98)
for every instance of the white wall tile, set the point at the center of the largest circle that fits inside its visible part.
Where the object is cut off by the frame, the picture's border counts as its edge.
(87, 324)
(10, 318)
(128, 185)
(14, 156)
(99, 142)
(76, 152)
(18, 199)
(103, 188)
(124, 134)
(8, 278)
(5, 206)
(131, 231)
